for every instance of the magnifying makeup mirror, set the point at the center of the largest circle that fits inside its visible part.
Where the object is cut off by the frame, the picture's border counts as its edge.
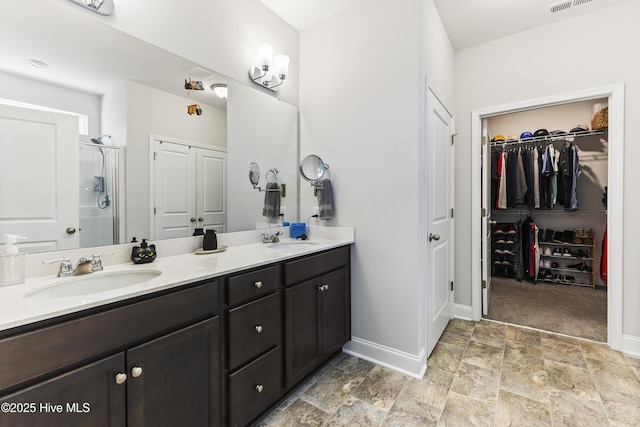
(254, 174)
(312, 168)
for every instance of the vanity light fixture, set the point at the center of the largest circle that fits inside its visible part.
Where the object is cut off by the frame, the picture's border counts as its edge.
(103, 7)
(261, 74)
(220, 89)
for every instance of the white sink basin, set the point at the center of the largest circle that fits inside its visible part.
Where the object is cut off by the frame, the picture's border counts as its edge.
(293, 245)
(93, 283)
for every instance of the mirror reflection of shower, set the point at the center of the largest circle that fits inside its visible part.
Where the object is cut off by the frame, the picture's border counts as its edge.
(99, 188)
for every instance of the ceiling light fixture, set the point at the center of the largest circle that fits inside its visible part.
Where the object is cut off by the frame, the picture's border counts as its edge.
(260, 74)
(103, 7)
(220, 89)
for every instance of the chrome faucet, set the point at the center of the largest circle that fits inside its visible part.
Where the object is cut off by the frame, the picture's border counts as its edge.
(271, 238)
(86, 265)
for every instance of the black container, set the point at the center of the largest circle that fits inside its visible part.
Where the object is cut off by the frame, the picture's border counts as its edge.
(198, 232)
(144, 253)
(210, 241)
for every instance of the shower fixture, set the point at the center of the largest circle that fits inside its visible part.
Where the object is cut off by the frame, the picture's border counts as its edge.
(103, 7)
(98, 140)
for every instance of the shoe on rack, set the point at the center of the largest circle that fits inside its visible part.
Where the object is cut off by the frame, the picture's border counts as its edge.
(580, 253)
(510, 229)
(500, 241)
(555, 265)
(498, 230)
(498, 251)
(568, 278)
(546, 251)
(508, 252)
(578, 235)
(566, 252)
(557, 252)
(547, 263)
(557, 236)
(548, 235)
(498, 259)
(587, 238)
(567, 236)
(510, 242)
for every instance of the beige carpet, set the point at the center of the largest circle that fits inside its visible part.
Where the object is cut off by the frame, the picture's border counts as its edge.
(565, 309)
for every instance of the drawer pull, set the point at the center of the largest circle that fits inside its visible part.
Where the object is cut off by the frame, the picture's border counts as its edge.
(323, 288)
(259, 388)
(259, 329)
(258, 284)
(121, 378)
(136, 371)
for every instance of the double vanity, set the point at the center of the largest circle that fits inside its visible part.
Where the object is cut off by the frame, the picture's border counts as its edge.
(203, 340)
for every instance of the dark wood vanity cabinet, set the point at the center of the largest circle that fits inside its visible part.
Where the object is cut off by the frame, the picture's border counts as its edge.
(317, 311)
(217, 352)
(129, 365)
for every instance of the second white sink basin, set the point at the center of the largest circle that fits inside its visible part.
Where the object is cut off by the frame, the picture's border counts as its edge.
(93, 283)
(292, 245)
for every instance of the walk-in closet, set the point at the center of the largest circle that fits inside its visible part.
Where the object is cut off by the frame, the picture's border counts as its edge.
(548, 195)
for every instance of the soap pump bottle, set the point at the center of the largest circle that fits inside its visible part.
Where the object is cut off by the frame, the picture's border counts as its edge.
(12, 262)
(144, 253)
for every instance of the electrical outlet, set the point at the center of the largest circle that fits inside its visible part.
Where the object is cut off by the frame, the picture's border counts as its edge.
(316, 210)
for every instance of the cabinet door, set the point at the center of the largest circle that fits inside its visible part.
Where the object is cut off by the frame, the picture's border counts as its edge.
(336, 308)
(178, 382)
(302, 320)
(87, 396)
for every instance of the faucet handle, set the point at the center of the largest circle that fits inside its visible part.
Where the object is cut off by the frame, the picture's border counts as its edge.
(66, 268)
(96, 262)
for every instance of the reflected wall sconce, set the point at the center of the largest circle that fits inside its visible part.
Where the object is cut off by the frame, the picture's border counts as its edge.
(262, 74)
(103, 7)
(220, 89)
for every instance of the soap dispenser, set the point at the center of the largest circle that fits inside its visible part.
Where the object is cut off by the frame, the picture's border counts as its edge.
(144, 253)
(210, 240)
(12, 262)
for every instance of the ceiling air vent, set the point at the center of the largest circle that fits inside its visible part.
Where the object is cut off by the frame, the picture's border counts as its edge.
(566, 5)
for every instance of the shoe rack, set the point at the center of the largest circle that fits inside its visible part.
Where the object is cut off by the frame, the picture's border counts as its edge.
(505, 244)
(568, 263)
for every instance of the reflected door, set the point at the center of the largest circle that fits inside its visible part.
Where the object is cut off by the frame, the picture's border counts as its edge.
(40, 201)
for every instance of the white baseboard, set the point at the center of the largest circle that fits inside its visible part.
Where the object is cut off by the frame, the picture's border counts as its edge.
(405, 363)
(464, 312)
(631, 345)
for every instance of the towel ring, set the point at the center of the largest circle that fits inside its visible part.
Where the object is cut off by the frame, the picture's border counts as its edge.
(254, 179)
(274, 174)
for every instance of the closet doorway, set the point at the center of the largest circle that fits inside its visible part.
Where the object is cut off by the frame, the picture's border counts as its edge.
(601, 161)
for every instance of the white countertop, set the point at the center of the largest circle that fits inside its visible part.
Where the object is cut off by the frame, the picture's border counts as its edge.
(18, 310)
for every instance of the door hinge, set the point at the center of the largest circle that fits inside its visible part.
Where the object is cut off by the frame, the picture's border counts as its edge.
(484, 284)
(451, 285)
(484, 140)
(451, 212)
(154, 210)
(155, 155)
(483, 212)
(453, 138)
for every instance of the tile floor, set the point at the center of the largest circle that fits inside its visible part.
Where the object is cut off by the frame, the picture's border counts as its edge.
(480, 374)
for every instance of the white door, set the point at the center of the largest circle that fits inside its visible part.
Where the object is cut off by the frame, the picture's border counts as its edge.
(174, 201)
(39, 202)
(211, 184)
(486, 219)
(439, 219)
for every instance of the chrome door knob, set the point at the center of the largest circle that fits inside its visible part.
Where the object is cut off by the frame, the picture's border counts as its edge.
(121, 378)
(193, 219)
(136, 371)
(435, 237)
(259, 388)
(259, 329)
(258, 284)
(200, 219)
(71, 230)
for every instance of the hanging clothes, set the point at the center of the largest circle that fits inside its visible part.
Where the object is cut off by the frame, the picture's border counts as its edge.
(575, 174)
(603, 258)
(502, 190)
(521, 189)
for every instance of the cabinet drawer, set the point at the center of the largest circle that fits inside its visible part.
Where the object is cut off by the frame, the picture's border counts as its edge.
(254, 328)
(248, 286)
(55, 347)
(253, 388)
(304, 269)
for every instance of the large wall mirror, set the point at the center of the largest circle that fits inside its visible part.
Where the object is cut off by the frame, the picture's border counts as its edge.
(101, 141)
